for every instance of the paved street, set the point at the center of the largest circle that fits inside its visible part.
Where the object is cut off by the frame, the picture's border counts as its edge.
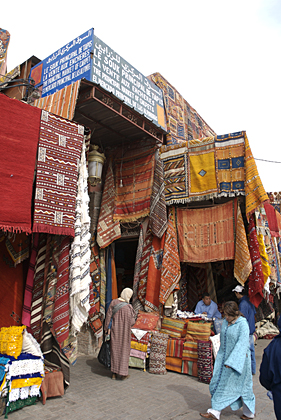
(94, 395)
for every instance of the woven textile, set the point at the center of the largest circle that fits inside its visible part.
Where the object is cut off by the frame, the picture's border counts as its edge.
(175, 347)
(134, 179)
(61, 103)
(174, 327)
(94, 312)
(202, 174)
(230, 170)
(175, 166)
(170, 271)
(154, 274)
(26, 310)
(37, 296)
(190, 351)
(146, 321)
(272, 219)
(102, 281)
(20, 126)
(136, 303)
(108, 230)
(242, 261)
(183, 304)
(158, 213)
(205, 361)
(254, 190)
(137, 353)
(189, 367)
(18, 247)
(173, 363)
(207, 235)
(158, 350)
(59, 154)
(143, 340)
(137, 362)
(50, 280)
(61, 306)
(256, 278)
(198, 331)
(144, 265)
(80, 253)
(183, 121)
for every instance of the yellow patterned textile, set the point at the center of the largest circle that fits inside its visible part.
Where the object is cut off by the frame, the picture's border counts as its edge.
(242, 261)
(138, 346)
(254, 190)
(202, 172)
(264, 257)
(21, 383)
(11, 341)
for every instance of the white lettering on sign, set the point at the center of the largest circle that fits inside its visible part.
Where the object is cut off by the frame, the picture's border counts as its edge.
(117, 76)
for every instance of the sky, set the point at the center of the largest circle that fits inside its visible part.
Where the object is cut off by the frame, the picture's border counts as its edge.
(223, 56)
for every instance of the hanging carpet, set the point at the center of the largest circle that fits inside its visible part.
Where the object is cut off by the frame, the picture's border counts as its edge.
(61, 103)
(158, 212)
(256, 278)
(59, 155)
(242, 263)
(207, 234)
(18, 247)
(133, 179)
(19, 136)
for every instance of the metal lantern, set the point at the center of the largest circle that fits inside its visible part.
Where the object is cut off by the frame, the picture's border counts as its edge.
(95, 165)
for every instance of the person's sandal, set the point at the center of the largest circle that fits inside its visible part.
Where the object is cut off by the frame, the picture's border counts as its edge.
(113, 376)
(124, 377)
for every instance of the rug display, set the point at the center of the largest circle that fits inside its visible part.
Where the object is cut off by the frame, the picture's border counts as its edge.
(20, 127)
(207, 234)
(230, 168)
(133, 181)
(135, 301)
(242, 261)
(4, 43)
(158, 212)
(108, 230)
(175, 347)
(189, 367)
(144, 266)
(254, 190)
(59, 155)
(202, 173)
(183, 121)
(174, 364)
(61, 103)
(18, 247)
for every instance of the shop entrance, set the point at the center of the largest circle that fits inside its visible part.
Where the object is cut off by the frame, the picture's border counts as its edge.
(125, 257)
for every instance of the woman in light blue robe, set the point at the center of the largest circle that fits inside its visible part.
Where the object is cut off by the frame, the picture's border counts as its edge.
(232, 383)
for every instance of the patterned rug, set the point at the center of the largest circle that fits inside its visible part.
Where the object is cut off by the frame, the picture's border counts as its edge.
(158, 212)
(256, 278)
(254, 190)
(183, 121)
(205, 361)
(18, 247)
(207, 234)
(108, 230)
(158, 350)
(133, 179)
(242, 261)
(154, 275)
(175, 165)
(61, 299)
(144, 265)
(202, 173)
(170, 271)
(136, 303)
(230, 170)
(61, 103)
(17, 162)
(59, 154)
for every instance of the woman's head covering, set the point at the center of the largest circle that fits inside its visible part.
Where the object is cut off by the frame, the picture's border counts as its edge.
(126, 294)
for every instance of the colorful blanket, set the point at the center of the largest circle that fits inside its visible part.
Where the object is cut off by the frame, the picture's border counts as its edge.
(183, 121)
(254, 190)
(230, 168)
(202, 174)
(108, 230)
(207, 234)
(170, 271)
(144, 266)
(134, 179)
(61, 103)
(256, 278)
(19, 136)
(158, 211)
(59, 154)
(18, 247)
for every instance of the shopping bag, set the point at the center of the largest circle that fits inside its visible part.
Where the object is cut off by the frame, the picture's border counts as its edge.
(104, 354)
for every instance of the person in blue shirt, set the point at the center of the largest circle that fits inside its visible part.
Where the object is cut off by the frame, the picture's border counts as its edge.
(248, 310)
(207, 307)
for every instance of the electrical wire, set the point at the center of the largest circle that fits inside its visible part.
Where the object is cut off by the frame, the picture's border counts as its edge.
(264, 160)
